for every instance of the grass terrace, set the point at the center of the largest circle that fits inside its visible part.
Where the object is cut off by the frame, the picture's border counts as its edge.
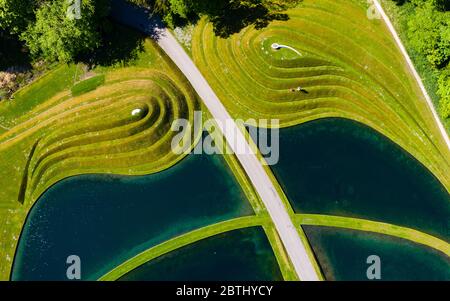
(350, 68)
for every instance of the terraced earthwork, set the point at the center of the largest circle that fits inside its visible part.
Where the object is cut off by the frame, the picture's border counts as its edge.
(97, 131)
(349, 66)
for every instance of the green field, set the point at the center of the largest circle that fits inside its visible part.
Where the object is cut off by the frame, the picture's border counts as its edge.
(349, 67)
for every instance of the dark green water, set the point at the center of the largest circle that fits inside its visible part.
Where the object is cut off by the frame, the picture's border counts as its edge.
(108, 219)
(342, 255)
(243, 254)
(341, 167)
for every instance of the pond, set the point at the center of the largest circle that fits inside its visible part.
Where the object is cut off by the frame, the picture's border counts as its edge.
(239, 255)
(107, 219)
(342, 255)
(340, 167)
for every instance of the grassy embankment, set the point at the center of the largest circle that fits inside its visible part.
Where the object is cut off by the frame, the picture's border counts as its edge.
(376, 227)
(349, 68)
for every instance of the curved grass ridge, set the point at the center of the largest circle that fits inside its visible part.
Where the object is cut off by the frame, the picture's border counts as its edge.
(376, 227)
(350, 67)
(96, 132)
(181, 241)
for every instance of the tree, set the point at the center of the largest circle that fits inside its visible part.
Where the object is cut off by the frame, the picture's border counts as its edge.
(227, 16)
(428, 31)
(56, 37)
(15, 15)
(444, 92)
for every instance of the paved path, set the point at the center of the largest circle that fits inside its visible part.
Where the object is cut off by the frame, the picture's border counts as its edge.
(294, 246)
(413, 70)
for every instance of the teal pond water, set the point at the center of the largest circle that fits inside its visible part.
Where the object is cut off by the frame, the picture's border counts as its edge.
(340, 167)
(342, 255)
(107, 219)
(239, 255)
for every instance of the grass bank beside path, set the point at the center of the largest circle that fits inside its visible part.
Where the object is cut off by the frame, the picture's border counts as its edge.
(181, 241)
(373, 226)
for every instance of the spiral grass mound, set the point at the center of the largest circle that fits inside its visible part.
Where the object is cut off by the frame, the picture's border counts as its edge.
(349, 66)
(123, 127)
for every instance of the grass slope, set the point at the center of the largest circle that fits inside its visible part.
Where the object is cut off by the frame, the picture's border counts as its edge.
(349, 68)
(88, 85)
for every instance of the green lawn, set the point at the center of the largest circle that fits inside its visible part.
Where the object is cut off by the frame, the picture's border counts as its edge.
(350, 67)
(88, 85)
(60, 78)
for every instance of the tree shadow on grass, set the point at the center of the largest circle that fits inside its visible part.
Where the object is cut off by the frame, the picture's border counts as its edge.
(120, 45)
(230, 17)
(399, 2)
(13, 53)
